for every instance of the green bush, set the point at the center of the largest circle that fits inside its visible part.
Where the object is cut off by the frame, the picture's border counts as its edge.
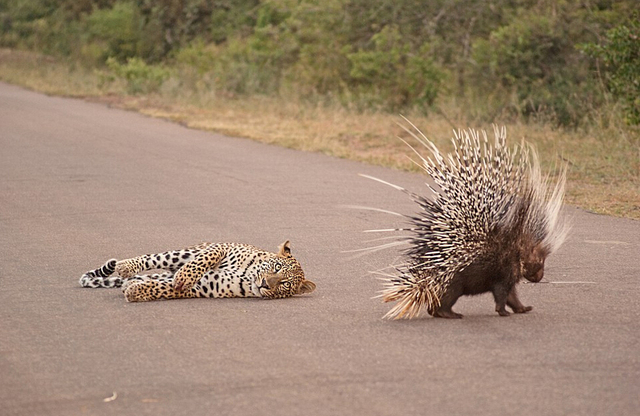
(117, 31)
(532, 61)
(515, 58)
(38, 25)
(172, 24)
(140, 77)
(321, 67)
(256, 64)
(226, 22)
(390, 68)
(620, 54)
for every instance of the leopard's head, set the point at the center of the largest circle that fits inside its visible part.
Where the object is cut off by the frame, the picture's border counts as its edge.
(285, 277)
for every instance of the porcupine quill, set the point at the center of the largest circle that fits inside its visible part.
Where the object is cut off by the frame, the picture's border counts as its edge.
(492, 219)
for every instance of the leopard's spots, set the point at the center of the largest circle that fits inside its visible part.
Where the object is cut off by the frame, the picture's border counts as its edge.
(205, 270)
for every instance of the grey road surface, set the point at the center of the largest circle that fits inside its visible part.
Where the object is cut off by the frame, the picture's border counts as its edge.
(81, 183)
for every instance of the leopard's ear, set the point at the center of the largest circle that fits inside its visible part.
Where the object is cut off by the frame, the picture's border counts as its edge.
(285, 249)
(307, 286)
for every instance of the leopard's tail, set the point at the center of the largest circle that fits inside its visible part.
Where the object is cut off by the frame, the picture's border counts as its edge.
(101, 277)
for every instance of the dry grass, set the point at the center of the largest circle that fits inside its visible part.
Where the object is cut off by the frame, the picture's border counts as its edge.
(604, 164)
(44, 74)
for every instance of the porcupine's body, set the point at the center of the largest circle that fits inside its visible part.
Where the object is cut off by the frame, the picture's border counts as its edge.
(492, 221)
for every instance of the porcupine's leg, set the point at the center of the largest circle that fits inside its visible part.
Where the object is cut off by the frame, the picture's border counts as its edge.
(501, 295)
(514, 303)
(446, 303)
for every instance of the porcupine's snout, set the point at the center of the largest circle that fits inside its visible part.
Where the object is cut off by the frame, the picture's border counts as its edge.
(536, 276)
(534, 265)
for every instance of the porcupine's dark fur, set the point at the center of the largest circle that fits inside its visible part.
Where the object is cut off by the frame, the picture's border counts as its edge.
(492, 220)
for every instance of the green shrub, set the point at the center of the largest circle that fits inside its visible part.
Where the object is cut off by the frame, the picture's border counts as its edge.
(620, 54)
(140, 77)
(318, 33)
(392, 70)
(256, 64)
(227, 22)
(117, 31)
(172, 24)
(38, 25)
(198, 56)
(515, 58)
(533, 62)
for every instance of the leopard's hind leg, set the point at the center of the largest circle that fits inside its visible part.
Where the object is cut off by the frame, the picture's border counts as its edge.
(153, 287)
(169, 260)
(145, 277)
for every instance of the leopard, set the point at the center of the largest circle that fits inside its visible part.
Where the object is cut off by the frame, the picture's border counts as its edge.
(205, 270)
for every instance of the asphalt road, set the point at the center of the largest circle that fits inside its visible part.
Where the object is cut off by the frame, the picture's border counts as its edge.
(81, 183)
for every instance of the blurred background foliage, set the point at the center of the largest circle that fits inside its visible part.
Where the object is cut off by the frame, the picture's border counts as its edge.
(566, 62)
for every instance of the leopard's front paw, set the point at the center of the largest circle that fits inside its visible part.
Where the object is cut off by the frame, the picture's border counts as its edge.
(127, 268)
(137, 292)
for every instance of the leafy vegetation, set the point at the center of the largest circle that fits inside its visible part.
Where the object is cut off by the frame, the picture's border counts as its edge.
(140, 77)
(620, 54)
(502, 59)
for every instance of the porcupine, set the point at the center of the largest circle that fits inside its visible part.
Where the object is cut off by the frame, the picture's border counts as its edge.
(492, 220)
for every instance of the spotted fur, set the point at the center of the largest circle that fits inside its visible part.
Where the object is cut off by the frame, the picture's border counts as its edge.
(218, 270)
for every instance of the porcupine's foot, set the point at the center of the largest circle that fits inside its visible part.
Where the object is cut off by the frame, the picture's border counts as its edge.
(447, 314)
(446, 303)
(502, 311)
(500, 305)
(514, 303)
(501, 295)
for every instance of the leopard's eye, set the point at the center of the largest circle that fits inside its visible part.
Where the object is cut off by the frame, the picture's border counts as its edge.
(286, 285)
(277, 267)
